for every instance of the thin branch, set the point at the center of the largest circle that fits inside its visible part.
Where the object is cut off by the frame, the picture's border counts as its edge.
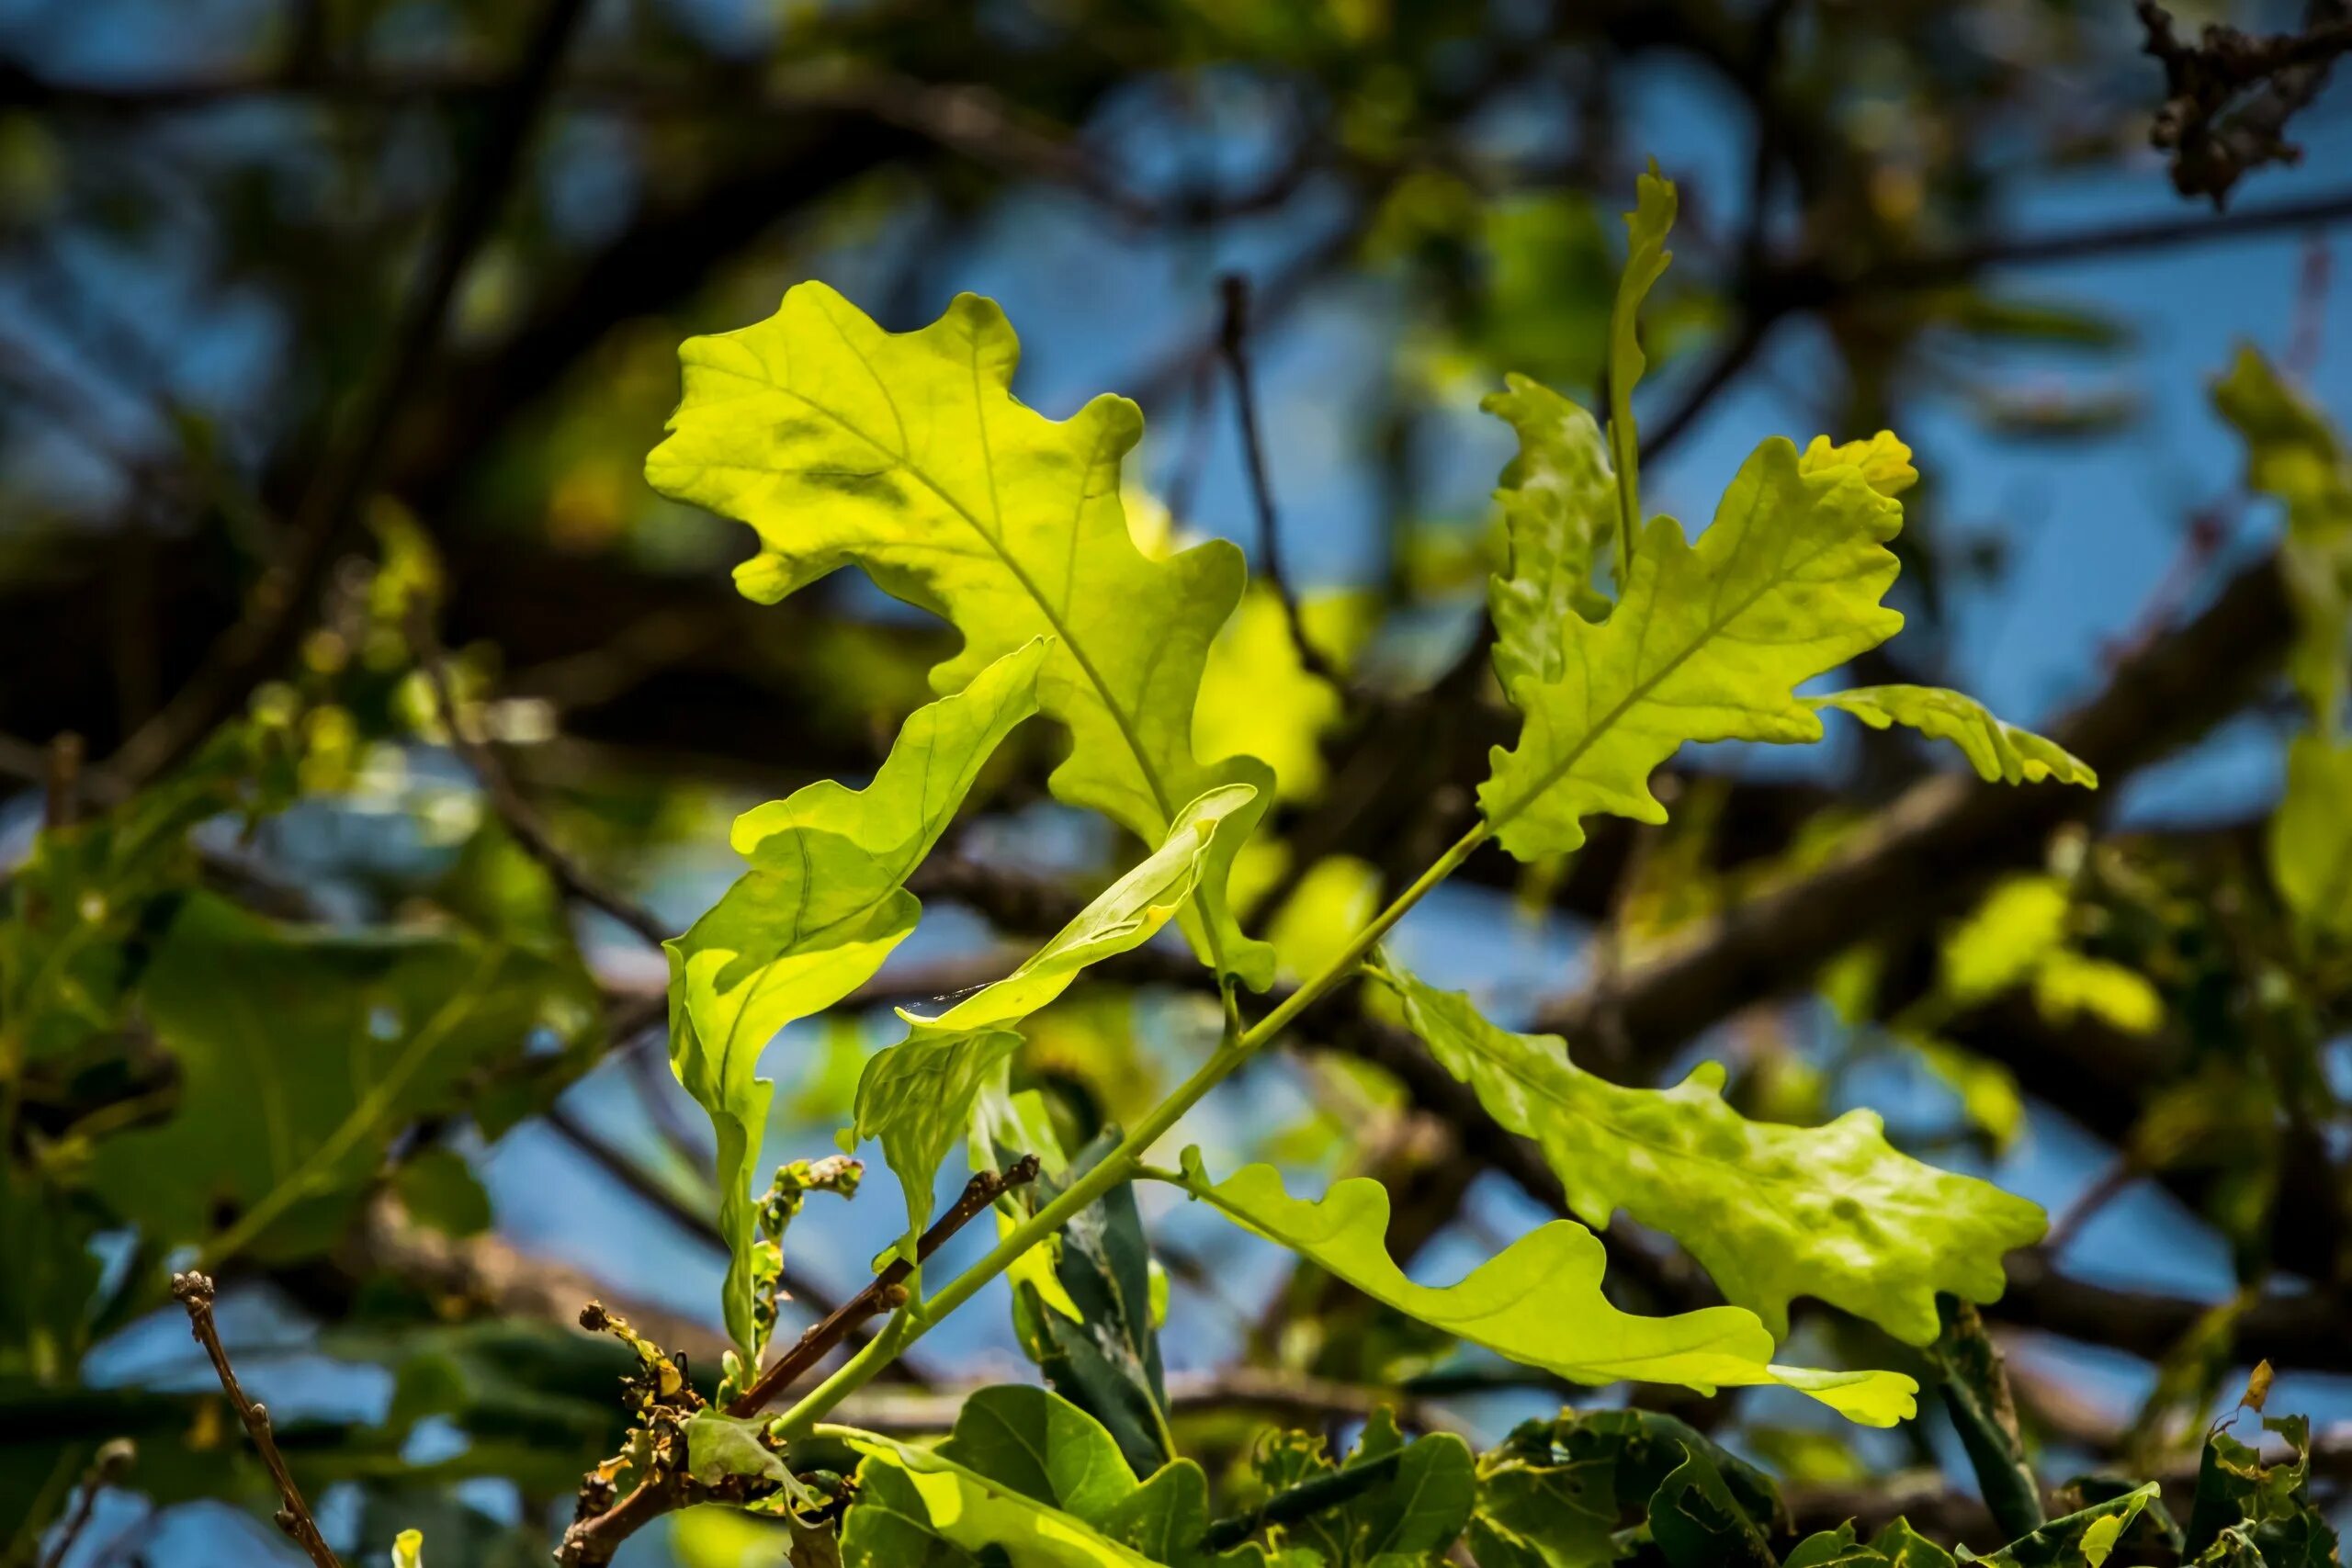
(591, 1541)
(575, 880)
(62, 800)
(1233, 343)
(812, 1347)
(194, 1292)
(349, 470)
(113, 1461)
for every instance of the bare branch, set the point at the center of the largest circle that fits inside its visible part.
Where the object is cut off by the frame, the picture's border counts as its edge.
(113, 1461)
(514, 811)
(349, 470)
(1233, 343)
(194, 1292)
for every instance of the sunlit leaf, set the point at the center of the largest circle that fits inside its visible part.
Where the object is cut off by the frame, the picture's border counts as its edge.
(2311, 836)
(1707, 643)
(917, 1096)
(2000, 752)
(2294, 453)
(1645, 262)
(1559, 501)
(1539, 1301)
(821, 906)
(1773, 1212)
(907, 455)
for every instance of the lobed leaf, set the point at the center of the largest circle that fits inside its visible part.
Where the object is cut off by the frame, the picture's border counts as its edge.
(1708, 642)
(907, 454)
(1558, 497)
(1392, 1503)
(1645, 262)
(917, 1096)
(823, 904)
(301, 1050)
(2000, 752)
(1029, 1478)
(1771, 1212)
(1538, 1301)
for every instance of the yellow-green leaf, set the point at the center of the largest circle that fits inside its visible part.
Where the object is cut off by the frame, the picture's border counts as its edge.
(1538, 1301)
(408, 1549)
(1708, 642)
(1558, 497)
(2294, 453)
(1645, 262)
(1771, 1212)
(1999, 752)
(907, 454)
(2006, 940)
(917, 1096)
(820, 908)
(2311, 836)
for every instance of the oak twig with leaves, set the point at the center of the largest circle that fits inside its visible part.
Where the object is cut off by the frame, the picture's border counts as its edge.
(1618, 640)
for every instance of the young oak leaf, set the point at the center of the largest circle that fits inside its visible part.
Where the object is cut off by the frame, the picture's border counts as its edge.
(1538, 1301)
(917, 1096)
(907, 454)
(821, 906)
(1655, 205)
(1708, 642)
(2311, 836)
(1558, 497)
(1771, 1212)
(1999, 752)
(2294, 454)
(1029, 1478)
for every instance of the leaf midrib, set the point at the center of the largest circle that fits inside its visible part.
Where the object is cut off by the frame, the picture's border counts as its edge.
(1119, 715)
(1641, 689)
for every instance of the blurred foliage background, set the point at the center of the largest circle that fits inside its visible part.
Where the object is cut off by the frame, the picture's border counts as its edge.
(315, 310)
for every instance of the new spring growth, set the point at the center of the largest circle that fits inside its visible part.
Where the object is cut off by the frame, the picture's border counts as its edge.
(774, 1215)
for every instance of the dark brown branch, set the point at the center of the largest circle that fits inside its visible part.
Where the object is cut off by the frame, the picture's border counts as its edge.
(194, 1292)
(113, 1461)
(591, 1541)
(350, 469)
(2229, 96)
(61, 802)
(1233, 343)
(575, 880)
(878, 1297)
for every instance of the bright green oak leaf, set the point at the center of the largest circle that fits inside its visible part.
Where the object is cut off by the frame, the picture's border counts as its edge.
(1645, 262)
(917, 1096)
(1558, 497)
(821, 906)
(907, 454)
(2000, 752)
(1026, 1479)
(2311, 836)
(2294, 454)
(1771, 1212)
(1538, 1301)
(1708, 642)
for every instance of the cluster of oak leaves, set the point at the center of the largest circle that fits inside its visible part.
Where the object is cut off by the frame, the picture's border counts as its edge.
(1618, 641)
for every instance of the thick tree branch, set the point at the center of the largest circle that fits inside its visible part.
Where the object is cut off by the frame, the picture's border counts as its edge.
(355, 460)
